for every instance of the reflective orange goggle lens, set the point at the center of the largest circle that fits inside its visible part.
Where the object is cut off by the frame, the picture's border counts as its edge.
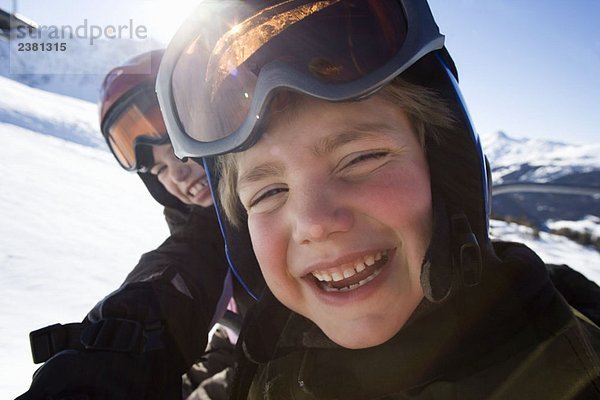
(135, 121)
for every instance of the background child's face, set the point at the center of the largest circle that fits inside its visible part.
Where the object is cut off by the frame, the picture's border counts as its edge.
(339, 211)
(186, 181)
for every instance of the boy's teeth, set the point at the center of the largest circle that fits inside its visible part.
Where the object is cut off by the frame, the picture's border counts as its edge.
(353, 286)
(359, 266)
(325, 277)
(194, 190)
(347, 271)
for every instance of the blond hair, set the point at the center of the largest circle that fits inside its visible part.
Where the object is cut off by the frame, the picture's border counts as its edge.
(427, 112)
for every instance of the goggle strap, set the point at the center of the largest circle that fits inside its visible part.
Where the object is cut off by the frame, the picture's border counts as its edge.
(236, 273)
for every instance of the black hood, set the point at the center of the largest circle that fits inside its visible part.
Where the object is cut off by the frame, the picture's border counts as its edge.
(160, 194)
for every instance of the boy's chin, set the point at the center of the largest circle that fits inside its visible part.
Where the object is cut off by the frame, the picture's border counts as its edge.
(361, 338)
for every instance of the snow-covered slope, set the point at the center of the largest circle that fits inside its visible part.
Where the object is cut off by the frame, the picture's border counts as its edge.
(554, 249)
(73, 223)
(52, 114)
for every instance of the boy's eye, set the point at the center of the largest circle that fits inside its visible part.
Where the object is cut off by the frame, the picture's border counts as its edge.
(367, 156)
(266, 195)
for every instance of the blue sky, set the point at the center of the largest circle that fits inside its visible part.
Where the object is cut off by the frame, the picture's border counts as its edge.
(528, 68)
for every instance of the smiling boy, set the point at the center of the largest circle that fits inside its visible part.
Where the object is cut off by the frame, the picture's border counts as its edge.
(339, 209)
(339, 144)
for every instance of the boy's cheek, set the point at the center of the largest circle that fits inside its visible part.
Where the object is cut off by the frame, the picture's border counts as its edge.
(268, 245)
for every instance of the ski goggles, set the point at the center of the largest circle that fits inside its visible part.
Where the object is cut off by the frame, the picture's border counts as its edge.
(228, 60)
(133, 124)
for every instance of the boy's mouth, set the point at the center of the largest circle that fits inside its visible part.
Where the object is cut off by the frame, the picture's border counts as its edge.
(197, 187)
(353, 275)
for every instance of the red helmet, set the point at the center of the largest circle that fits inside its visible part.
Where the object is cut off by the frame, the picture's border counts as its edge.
(130, 118)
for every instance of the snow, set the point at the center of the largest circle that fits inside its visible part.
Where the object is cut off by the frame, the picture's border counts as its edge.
(52, 114)
(73, 223)
(553, 249)
(590, 224)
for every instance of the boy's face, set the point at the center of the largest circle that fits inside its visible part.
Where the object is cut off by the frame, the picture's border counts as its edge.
(339, 212)
(185, 180)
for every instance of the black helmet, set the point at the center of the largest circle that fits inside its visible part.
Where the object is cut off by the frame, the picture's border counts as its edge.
(131, 122)
(225, 64)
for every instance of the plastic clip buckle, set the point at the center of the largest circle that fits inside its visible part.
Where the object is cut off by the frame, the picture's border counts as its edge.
(469, 253)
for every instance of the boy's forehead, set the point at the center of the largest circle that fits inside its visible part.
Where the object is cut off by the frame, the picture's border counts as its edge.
(270, 143)
(298, 117)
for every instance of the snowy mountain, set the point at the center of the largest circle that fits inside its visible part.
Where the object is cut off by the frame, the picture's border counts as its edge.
(533, 160)
(536, 160)
(74, 223)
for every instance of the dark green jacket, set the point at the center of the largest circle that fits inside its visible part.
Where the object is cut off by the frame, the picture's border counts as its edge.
(511, 337)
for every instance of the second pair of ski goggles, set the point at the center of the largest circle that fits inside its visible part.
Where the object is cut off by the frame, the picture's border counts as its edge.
(134, 124)
(229, 59)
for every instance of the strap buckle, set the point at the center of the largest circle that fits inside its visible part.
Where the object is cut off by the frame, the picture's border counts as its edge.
(48, 341)
(111, 334)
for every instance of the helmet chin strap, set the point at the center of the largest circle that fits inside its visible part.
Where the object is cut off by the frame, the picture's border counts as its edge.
(453, 258)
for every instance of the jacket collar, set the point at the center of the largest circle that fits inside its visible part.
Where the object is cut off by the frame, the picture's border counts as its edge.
(476, 328)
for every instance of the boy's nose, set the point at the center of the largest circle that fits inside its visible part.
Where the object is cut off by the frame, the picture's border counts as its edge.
(317, 216)
(180, 172)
